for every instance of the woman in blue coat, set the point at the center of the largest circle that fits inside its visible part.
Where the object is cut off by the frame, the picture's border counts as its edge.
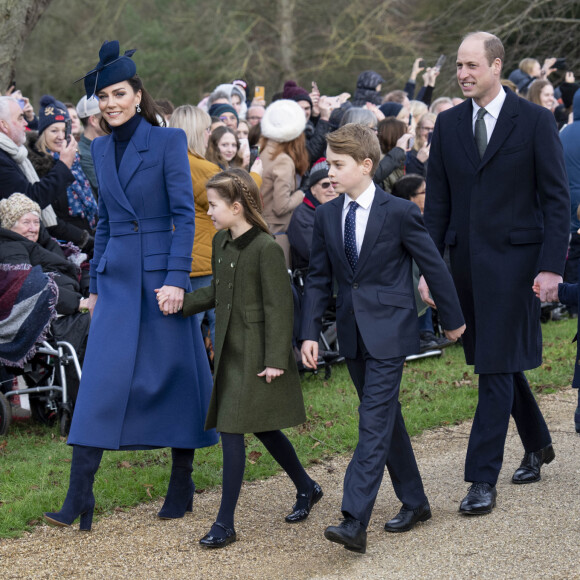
(146, 380)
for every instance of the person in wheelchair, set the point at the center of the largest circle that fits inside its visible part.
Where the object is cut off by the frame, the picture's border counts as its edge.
(23, 240)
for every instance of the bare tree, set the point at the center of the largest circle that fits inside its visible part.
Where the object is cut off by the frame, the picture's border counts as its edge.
(17, 20)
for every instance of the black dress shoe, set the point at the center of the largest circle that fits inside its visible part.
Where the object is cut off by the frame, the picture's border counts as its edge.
(350, 533)
(406, 519)
(529, 470)
(209, 541)
(480, 499)
(300, 514)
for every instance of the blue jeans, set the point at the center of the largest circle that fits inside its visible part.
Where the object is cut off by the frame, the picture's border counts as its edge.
(202, 282)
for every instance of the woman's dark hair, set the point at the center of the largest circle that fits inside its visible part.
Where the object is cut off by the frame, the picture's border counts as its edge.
(407, 186)
(149, 109)
(213, 152)
(254, 135)
(390, 130)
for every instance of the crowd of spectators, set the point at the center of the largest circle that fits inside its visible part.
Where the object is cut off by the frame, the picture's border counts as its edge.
(45, 157)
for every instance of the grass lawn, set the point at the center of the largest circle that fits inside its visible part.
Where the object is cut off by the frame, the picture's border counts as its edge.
(35, 460)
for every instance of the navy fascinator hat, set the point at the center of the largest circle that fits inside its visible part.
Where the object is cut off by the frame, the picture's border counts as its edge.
(110, 69)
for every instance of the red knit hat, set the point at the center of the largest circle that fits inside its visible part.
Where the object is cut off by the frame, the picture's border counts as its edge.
(295, 93)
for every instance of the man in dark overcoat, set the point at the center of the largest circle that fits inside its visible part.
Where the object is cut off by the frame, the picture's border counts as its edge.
(497, 195)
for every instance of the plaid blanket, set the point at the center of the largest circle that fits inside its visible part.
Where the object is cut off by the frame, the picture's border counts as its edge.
(28, 299)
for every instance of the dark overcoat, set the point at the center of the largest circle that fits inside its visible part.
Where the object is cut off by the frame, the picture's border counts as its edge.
(253, 306)
(505, 218)
(377, 298)
(146, 380)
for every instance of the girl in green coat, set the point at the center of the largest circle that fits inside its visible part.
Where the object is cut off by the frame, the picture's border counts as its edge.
(256, 382)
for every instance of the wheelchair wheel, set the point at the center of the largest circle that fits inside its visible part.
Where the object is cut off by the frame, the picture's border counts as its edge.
(65, 421)
(5, 414)
(41, 412)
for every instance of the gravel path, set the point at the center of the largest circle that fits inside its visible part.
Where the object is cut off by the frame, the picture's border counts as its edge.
(532, 533)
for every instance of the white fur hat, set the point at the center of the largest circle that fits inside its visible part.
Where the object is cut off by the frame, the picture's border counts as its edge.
(283, 121)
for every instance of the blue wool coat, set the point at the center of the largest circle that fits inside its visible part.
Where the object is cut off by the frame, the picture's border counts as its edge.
(146, 380)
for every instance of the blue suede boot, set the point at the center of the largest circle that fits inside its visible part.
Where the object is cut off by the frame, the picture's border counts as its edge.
(179, 498)
(80, 500)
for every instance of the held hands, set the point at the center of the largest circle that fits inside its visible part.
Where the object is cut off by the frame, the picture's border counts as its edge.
(545, 286)
(309, 352)
(170, 299)
(271, 373)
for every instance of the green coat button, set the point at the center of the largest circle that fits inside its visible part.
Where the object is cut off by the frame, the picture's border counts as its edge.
(233, 264)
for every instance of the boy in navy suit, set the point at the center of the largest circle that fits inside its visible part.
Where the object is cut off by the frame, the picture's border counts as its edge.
(367, 239)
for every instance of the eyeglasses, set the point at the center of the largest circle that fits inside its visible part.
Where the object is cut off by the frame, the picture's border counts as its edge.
(325, 185)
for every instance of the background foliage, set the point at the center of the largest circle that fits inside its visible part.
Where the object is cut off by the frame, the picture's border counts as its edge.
(187, 47)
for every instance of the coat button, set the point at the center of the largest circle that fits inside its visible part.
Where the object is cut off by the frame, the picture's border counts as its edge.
(355, 286)
(229, 306)
(233, 264)
(135, 225)
(216, 303)
(217, 282)
(230, 285)
(219, 260)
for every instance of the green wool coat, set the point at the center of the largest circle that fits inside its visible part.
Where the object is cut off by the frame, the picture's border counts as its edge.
(254, 317)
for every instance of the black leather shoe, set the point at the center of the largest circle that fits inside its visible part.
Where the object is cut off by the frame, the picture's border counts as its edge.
(480, 500)
(301, 514)
(350, 533)
(209, 541)
(406, 519)
(529, 470)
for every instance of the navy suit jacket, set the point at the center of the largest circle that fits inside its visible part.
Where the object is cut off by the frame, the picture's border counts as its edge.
(505, 218)
(377, 297)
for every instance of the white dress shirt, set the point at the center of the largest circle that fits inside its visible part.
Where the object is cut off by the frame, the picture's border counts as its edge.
(493, 109)
(364, 200)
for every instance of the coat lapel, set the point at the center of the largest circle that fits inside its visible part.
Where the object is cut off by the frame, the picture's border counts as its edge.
(132, 158)
(109, 168)
(374, 225)
(504, 126)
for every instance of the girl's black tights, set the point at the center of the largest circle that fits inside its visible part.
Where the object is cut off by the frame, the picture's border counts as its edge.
(234, 462)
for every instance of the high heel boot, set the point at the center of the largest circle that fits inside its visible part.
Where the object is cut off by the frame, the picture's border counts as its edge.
(80, 500)
(179, 498)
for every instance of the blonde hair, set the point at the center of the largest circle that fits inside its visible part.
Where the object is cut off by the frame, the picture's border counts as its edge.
(357, 141)
(527, 65)
(237, 185)
(41, 145)
(194, 121)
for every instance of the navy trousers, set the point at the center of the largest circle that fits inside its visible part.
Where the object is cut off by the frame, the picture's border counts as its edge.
(499, 396)
(383, 438)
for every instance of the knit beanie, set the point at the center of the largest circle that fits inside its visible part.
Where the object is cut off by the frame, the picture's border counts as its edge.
(51, 111)
(390, 109)
(220, 108)
(14, 207)
(283, 121)
(319, 171)
(295, 93)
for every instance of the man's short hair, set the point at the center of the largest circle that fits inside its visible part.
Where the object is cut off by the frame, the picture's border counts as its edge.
(357, 141)
(5, 111)
(395, 97)
(492, 46)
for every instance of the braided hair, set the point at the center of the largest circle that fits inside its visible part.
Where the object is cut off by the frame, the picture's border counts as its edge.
(237, 185)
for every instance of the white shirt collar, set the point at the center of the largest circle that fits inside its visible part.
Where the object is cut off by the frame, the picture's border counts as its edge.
(494, 107)
(364, 199)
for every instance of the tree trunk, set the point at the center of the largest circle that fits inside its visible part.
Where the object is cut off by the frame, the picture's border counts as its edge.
(287, 45)
(17, 20)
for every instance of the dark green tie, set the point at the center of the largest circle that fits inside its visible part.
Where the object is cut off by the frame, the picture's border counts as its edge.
(480, 132)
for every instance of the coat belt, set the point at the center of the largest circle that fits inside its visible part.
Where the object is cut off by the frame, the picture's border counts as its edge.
(141, 226)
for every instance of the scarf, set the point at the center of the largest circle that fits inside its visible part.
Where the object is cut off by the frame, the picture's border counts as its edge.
(81, 201)
(20, 154)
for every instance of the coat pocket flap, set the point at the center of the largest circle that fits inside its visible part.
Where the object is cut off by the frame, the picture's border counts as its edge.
(398, 300)
(155, 262)
(450, 238)
(254, 316)
(101, 267)
(527, 236)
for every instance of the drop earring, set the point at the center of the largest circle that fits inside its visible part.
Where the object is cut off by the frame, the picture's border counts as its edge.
(138, 107)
